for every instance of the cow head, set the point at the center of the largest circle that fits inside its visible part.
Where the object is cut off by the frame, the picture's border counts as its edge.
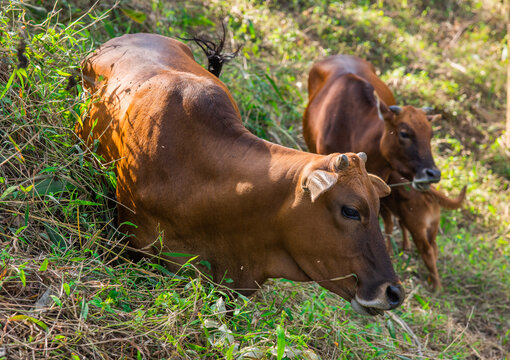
(405, 144)
(335, 237)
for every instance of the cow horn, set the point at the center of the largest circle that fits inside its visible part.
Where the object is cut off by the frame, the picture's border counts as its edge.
(427, 109)
(397, 110)
(362, 156)
(342, 162)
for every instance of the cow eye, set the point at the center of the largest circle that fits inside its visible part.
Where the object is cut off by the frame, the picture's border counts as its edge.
(350, 213)
(403, 134)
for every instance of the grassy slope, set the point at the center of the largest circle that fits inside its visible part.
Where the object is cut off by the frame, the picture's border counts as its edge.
(67, 288)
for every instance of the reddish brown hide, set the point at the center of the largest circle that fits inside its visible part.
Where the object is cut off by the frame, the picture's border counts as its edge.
(344, 114)
(194, 180)
(418, 212)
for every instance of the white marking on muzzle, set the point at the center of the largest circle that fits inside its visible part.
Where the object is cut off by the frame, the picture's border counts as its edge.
(358, 308)
(377, 303)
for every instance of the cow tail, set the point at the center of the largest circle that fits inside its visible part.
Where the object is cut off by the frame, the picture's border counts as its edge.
(213, 51)
(448, 203)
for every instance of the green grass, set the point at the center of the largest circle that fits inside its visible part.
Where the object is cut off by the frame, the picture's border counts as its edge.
(68, 286)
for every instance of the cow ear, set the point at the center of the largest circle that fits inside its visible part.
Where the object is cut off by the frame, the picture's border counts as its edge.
(318, 182)
(432, 118)
(380, 186)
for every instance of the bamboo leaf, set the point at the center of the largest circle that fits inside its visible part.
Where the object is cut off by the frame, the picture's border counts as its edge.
(22, 277)
(8, 85)
(67, 289)
(39, 323)
(85, 310)
(135, 15)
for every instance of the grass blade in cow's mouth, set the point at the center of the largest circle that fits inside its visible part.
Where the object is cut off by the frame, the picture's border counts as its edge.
(421, 185)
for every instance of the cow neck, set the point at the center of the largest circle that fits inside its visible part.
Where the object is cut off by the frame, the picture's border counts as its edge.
(279, 165)
(376, 163)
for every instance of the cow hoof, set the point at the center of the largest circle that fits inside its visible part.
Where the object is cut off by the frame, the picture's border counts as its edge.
(435, 284)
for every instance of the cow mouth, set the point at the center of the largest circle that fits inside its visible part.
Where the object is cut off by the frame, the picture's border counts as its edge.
(392, 298)
(365, 310)
(425, 177)
(421, 185)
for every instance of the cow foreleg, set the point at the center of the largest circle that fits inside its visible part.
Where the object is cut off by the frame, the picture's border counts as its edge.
(388, 227)
(406, 245)
(428, 254)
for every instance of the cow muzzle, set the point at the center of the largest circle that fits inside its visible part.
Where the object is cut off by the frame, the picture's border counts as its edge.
(389, 297)
(425, 177)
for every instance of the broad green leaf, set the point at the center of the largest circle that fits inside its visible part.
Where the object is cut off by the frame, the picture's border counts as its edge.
(8, 191)
(56, 300)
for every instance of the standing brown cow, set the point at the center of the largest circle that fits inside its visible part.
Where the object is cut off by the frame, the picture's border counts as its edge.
(345, 114)
(194, 180)
(351, 109)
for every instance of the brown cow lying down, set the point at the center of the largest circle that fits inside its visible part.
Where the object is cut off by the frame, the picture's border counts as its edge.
(419, 212)
(344, 114)
(195, 180)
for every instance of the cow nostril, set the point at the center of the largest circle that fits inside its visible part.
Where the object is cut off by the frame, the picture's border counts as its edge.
(395, 295)
(433, 174)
